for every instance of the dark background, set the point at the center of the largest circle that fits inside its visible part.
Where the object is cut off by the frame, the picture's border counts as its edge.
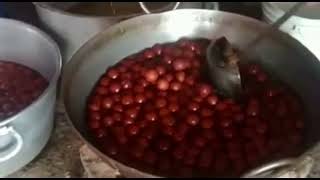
(25, 10)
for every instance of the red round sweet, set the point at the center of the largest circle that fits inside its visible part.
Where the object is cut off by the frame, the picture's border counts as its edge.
(132, 130)
(163, 84)
(126, 84)
(132, 113)
(127, 100)
(105, 81)
(94, 105)
(161, 102)
(107, 103)
(164, 112)
(150, 157)
(100, 133)
(163, 145)
(192, 119)
(179, 64)
(149, 54)
(117, 108)
(206, 123)
(140, 98)
(175, 86)
(178, 153)
(167, 59)
(173, 107)
(113, 74)
(204, 90)
(181, 76)
(161, 70)
(193, 106)
(115, 87)
(151, 116)
(127, 120)
(101, 90)
(151, 75)
(108, 121)
(212, 100)
(168, 121)
(206, 112)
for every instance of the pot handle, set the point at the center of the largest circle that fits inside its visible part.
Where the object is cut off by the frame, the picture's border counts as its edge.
(287, 168)
(146, 10)
(14, 147)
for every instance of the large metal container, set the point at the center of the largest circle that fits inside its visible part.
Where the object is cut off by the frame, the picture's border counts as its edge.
(72, 30)
(24, 135)
(280, 54)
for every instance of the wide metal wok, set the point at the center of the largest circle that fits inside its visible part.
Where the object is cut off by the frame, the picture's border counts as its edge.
(280, 54)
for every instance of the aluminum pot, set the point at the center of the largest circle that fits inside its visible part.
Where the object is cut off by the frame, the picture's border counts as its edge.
(280, 54)
(72, 30)
(24, 135)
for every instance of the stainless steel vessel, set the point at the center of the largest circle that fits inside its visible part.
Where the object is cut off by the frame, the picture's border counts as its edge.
(23, 136)
(280, 54)
(72, 30)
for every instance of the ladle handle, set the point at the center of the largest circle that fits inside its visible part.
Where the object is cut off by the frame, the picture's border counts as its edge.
(13, 147)
(288, 14)
(277, 24)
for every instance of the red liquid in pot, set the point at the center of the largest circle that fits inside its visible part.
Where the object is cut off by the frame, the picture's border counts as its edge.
(156, 111)
(19, 87)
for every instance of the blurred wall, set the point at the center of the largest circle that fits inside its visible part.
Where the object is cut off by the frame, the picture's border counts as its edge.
(23, 11)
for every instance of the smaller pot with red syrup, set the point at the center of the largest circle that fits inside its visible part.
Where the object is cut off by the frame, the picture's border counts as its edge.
(30, 64)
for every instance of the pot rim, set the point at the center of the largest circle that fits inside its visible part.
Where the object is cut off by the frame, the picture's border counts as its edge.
(52, 81)
(59, 11)
(95, 39)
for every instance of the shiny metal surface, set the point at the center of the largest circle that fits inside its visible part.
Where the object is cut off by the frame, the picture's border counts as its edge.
(147, 11)
(268, 167)
(280, 54)
(73, 30)
(286, 168)
(23, 136)
(227, 78)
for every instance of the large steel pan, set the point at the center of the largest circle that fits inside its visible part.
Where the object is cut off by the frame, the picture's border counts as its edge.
(280, 54)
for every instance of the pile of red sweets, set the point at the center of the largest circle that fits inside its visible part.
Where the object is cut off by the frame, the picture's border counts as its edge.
(19, 87)
(157, 111)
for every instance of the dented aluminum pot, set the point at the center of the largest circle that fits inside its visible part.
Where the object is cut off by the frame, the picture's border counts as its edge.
(278, 53)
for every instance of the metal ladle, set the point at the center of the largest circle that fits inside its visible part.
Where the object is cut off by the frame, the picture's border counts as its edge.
(223, 61)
